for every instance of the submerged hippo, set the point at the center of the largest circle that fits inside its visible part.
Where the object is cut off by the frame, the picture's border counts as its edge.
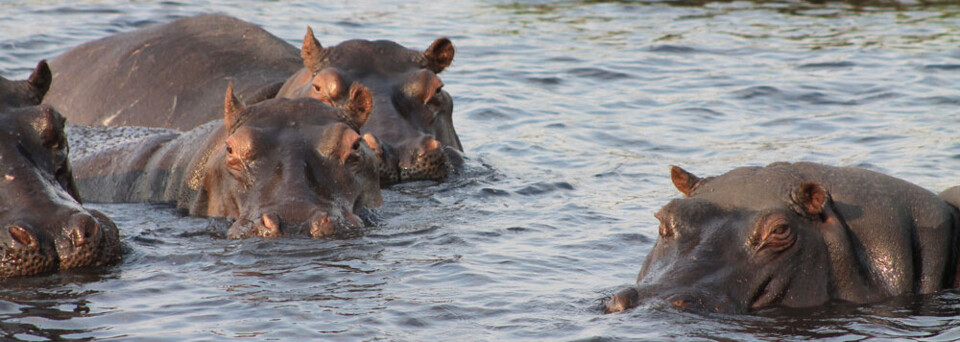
(795, 235)
(43, 226)
(278, 167)
(412, 114)
(170, 75)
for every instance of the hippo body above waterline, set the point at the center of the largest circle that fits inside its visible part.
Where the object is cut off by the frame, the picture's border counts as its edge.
(172, 76)
(412, 113)
(795, 235)
(278, 167)
(43, 226)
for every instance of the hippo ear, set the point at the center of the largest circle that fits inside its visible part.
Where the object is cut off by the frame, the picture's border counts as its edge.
(231, 108)
(812, 198)
(360, 104)
(683, 180)
(439, 55)
(311, 51)
(40, 79)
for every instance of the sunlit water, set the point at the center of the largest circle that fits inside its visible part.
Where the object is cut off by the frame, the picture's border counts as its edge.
(570, 114)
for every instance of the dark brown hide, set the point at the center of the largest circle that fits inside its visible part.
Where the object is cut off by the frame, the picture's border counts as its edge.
(278, 167)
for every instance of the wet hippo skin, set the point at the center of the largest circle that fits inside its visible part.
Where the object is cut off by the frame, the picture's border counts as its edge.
(172, 76)
(412, 115)
(796, 235)
(43, 226)
(278, 167)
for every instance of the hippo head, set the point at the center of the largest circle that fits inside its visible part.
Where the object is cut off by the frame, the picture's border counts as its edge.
(42, 224)
(749, 239)
(291, 166)
(26, 93)
(411, 127)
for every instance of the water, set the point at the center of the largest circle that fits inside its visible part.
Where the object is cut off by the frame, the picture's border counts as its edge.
(570, 113)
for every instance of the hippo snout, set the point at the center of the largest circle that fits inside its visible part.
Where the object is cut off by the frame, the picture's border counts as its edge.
(24, 251)
(320, 224)
(693, 300)
(425, 159)
(87, 239)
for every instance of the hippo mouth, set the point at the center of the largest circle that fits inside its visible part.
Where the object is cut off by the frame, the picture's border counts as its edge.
(272, 225)
(426, 160)
(695, 301)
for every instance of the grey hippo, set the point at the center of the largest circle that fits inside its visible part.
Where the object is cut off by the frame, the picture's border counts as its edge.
(278, 167)
(796, 235)
(43, 226)
(413, 114)
(172, 75)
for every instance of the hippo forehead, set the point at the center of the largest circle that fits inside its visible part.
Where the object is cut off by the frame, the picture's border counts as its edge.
(290, 113)
(751, 188)
(362, 57)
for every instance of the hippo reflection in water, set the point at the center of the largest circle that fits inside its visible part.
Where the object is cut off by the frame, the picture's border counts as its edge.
(278, 167)
(172, 76)
(43, 226)
(796, 235)
(411, 127)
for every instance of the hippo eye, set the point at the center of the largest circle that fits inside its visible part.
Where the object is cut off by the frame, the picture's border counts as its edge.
(437, 97)
(229, 149)
(777, 237)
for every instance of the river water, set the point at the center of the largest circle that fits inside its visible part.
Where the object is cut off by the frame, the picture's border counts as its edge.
(570, 114)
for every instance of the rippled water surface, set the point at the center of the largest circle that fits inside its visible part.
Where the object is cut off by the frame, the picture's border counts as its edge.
(570, 113)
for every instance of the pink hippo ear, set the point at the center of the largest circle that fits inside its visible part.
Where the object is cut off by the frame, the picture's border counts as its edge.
(359, 105)
(40, 79)
(683, 180)
(812, 198)
(439, 55)
(231, 108)
(311, 51)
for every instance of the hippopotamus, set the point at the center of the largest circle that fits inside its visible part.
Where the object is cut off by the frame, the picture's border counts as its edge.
(795, 235)
(43, 226)
(278, 167)
(170, 75)
(411, 125)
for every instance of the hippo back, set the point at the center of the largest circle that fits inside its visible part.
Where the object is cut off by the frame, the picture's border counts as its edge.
(170, 75)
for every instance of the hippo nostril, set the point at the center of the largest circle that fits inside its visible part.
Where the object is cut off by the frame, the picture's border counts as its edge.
(83, 229)
(271, 224)
(22, 236)
(431, 144)
(322, 226)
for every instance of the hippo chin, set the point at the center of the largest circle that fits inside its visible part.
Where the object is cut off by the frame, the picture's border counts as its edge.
(796, 235)
(278, 167)
(43, 226)
(412, 114)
